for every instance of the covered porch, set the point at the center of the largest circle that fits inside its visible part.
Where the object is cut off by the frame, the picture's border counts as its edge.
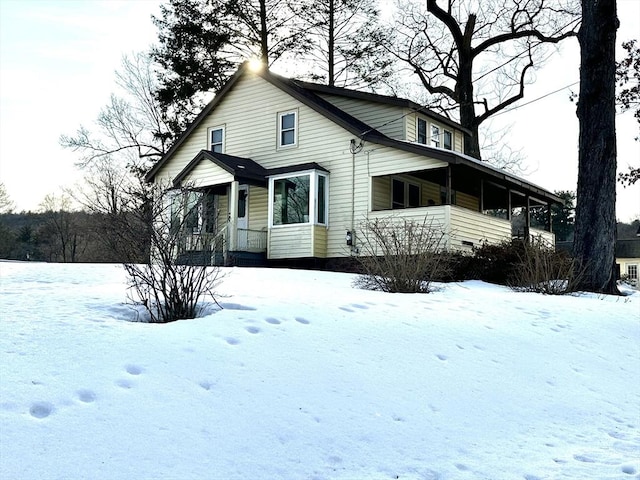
(473, 206)
(227, 210)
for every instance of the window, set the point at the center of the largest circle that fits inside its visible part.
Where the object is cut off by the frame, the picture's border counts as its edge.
(435, 136)
(287, 126)
(321, 205)
(294, 197)
(404, 194)
(422, 131)
(216, 139)
(447, 140)
(632, 272)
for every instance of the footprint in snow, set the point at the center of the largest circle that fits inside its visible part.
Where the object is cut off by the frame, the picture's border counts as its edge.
(232, 341)
(442, 357)
(133, 370)
(41, 410)
(346, 309)
(86, 396)
(303, 321)
(252, 330)
(273, 321)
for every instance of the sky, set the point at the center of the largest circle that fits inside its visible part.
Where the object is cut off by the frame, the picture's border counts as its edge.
(303, 376)
(57, 64)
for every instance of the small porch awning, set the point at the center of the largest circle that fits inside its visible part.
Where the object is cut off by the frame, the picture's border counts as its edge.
(220, 168)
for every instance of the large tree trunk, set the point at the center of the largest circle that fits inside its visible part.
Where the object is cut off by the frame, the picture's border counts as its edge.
(595, 231)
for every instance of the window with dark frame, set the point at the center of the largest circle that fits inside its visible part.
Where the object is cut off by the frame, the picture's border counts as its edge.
(422, 131)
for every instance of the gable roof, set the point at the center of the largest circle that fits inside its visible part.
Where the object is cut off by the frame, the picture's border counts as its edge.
(241, 168)
(304, 92)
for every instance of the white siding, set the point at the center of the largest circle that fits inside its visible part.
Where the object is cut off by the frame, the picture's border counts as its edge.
(258, 207)
(291, 241)
(474, 227)
(207, 173)
(387, 119)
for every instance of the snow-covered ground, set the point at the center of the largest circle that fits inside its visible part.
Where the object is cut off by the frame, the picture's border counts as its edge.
(302, 376)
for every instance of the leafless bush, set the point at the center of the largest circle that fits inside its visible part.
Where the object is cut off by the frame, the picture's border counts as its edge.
(541, 269)
(167, 289)
(399, 255)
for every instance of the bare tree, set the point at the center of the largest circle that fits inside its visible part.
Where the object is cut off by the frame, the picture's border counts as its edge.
(131, 124)
(595, 226)
(61, 233)
(479, 53)
(6, 204)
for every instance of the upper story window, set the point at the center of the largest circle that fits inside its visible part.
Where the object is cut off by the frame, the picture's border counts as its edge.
(435, 136)
(422, 131)
(216, 139)
(447, 140)
(288, 129)
(299, 198)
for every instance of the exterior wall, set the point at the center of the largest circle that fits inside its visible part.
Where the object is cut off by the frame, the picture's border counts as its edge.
(474, 228)
(624, 267)
(387, 119)
(319, 241)
(207, 173)
(258, 208)
(290, 241)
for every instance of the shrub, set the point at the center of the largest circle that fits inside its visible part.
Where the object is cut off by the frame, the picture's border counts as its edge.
(496, 263)
(400, 255)
(167, 289)
(541, 269)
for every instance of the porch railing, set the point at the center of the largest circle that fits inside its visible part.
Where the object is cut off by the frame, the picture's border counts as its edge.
(252, 240)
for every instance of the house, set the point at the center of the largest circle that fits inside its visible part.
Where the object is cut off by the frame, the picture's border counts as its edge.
(627, 251)
(628, 259)
(284, 169)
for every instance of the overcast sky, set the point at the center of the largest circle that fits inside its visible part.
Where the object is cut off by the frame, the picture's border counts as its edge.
(57, 59)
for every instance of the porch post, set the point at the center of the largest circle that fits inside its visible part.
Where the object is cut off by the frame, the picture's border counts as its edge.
(448, 184)
(549, 224)
(527, 219)
(509, 206)
(233, 216)
(482, 195)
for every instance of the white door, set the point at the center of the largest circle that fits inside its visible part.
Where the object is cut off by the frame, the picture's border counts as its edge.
(243, 217)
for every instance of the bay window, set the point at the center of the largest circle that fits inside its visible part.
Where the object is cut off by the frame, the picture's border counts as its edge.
(299, 198)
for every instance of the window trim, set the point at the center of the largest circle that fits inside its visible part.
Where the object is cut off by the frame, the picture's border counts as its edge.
(451, 138)
(210, 130)
(281, 115)
(434, 140)
(420, 120)
(406, 184)
(313, 198)
(629, 267)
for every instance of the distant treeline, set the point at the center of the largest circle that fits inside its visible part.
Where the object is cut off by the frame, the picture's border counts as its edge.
(59, 237)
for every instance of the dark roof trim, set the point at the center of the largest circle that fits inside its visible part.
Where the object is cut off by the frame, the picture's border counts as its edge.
(384, 99)
(296, 168)
(241, 168)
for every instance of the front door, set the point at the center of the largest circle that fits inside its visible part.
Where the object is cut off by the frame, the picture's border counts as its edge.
(243, 217)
